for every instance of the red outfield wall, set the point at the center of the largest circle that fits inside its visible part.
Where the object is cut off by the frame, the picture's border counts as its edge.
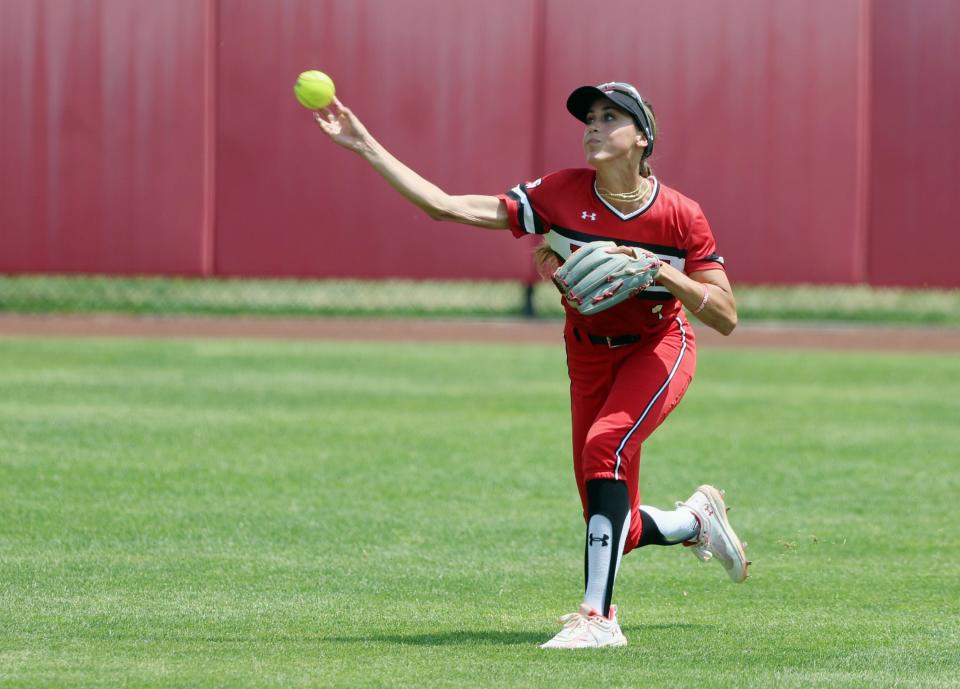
(105, 146)
(140, 137)
(914, 147)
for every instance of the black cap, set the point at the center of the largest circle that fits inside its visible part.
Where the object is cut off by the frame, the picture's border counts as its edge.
(623, 95)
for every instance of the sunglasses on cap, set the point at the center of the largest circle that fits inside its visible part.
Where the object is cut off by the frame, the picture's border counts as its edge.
(640, 113)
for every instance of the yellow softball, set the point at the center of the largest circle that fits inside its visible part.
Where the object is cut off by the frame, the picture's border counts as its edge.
(314, 89)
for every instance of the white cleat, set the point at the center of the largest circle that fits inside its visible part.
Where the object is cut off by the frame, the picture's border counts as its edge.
(587, 628)
(716, 538)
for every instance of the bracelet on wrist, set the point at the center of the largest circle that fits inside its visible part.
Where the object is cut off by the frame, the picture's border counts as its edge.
(706, 298)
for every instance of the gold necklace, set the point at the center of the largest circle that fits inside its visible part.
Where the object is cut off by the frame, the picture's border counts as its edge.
(634, 196)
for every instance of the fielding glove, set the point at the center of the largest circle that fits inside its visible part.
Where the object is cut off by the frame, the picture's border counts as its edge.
(593, 279)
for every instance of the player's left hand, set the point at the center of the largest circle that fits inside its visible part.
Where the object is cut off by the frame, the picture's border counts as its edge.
(637, 253)
(625, 250)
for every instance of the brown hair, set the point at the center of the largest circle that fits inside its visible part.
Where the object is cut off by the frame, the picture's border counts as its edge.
(546, 259)
(645, 169)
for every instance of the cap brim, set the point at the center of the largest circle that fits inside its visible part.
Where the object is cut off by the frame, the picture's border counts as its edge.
(582, 99)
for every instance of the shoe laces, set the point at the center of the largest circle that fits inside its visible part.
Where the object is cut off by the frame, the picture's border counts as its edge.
(573, 621)
(583, 616)
(701, 546)
(702, 553)
(572, 618)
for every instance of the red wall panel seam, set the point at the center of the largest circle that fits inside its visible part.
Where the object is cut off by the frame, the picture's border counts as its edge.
(211, 69)
(861, 229)
(539, 89)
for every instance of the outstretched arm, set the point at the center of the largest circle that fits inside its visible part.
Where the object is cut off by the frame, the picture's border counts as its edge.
(345, 129)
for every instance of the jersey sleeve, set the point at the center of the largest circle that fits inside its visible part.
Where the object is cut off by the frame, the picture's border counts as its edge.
(528, 204)
(701, 246)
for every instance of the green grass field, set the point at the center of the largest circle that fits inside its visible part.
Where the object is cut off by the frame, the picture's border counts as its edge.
(161, 296)
(278, 514)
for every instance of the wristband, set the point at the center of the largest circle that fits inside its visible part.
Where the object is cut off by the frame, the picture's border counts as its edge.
(706, 298)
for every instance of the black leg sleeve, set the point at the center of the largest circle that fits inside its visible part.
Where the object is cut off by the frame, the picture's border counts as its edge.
(608, 511)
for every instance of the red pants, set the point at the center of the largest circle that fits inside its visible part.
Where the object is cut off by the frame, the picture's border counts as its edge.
(618, 397)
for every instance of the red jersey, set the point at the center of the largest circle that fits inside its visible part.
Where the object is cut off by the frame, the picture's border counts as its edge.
(566, 208)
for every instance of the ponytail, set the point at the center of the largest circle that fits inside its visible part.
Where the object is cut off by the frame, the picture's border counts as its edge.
(645, 169)
(546, 259)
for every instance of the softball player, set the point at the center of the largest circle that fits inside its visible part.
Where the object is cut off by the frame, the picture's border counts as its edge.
(630, 365)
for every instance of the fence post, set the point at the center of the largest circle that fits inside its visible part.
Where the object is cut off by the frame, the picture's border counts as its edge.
(528, 309)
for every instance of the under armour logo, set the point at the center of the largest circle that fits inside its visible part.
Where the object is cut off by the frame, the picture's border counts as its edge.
(603, 540)
(591, 216)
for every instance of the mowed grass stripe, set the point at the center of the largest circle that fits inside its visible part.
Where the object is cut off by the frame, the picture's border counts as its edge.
(215, 513)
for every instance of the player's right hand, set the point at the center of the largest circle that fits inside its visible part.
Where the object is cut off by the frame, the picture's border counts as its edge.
(342, 126)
